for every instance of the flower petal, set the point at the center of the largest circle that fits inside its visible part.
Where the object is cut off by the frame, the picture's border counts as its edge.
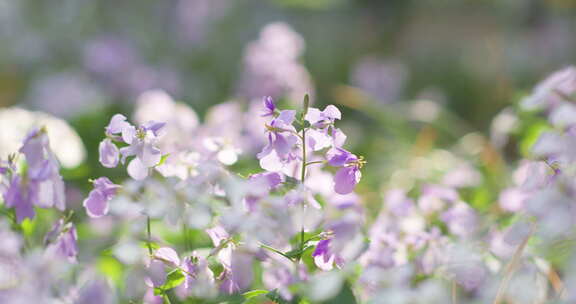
(96, 204)
(137, 170)
(346, 179)
(117, 124)
(109, 154)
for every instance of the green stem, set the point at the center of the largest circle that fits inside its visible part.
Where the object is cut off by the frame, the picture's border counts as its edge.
(314, 162)
(166, 298)
(304, 164)
(275, 251)
(148, 243)
(302, 178)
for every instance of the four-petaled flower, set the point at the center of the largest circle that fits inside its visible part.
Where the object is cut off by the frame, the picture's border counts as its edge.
(142, 143)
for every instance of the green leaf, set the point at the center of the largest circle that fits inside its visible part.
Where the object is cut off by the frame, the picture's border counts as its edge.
(254, 293)
(531, 136)
(158, 291)
(163, 159)
(174, 278)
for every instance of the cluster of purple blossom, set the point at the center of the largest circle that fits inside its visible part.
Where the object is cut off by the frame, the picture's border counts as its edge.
(296, 231)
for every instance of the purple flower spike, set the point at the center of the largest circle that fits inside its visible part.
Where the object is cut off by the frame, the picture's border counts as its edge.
(96, 203)
(109, 154)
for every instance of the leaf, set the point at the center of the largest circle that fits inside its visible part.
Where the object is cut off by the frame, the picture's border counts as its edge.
(174, 278)
(254, 293)
(111, 268)
(163, 159)
(531, 136)
(158, 291)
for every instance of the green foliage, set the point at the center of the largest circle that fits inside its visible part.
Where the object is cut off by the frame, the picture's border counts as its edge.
(111, 268)
(173, 279)
(531, 135)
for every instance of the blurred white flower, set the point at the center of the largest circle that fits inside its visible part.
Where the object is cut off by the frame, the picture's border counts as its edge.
(15, 123)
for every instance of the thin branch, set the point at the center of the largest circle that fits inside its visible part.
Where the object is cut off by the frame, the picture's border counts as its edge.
(511, 268)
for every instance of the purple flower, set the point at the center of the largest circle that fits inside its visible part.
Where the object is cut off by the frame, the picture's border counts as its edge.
(281, 139)
(142, 143)
(346, 179)
(323, 258)
(319, 118)
(41, 185)
(116, 125)
(349, 174)
(461, 219)
(269, 179)
(17, 197)
(109, 154)
(168, 256)
(270, 107)
(549, 93)
(240, 274)
(62, 241)
(323, 134)
(96, 203)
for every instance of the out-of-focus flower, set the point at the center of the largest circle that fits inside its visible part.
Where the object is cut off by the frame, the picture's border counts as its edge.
(62, 241)
(65, 94)
(64, 141)
(383, 80)
(41, 183)
(558, 87)
(181, 120)
(195, 17)
(272, 67)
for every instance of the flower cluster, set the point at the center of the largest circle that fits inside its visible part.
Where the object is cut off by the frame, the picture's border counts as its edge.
(192, 224)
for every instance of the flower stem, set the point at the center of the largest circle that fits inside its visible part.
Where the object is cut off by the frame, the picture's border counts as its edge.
(304, 164)
(314, 162)
(275, 251)
(166, 298)
(454, 293)
(303, 176)
(511, 268)
(148, 243)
